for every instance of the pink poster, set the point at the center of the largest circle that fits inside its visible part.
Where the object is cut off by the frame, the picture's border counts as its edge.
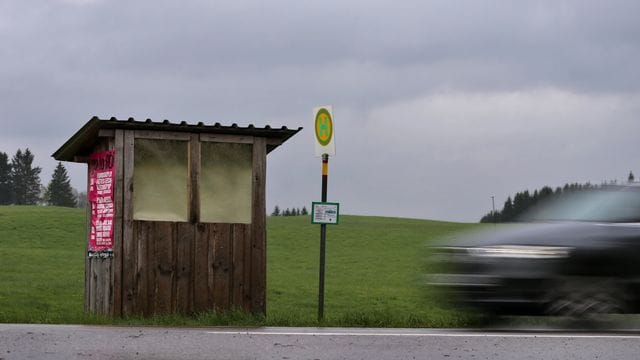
(100, 196)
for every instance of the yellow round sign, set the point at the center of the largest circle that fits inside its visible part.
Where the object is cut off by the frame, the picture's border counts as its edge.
(324, 127)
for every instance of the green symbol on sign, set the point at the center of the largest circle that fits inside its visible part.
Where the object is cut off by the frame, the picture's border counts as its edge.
(324, 127)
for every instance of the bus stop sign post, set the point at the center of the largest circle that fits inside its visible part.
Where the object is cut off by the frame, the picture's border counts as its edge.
(324, 147)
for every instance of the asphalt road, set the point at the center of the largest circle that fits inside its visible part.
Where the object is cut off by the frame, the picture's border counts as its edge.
(106, 342)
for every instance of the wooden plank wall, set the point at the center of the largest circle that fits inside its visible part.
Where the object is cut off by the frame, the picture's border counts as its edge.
(187, 268)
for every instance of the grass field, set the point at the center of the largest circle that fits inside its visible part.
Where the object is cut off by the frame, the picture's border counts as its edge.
(373, 268)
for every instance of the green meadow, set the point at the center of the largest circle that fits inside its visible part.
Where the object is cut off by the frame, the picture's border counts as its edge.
(374, 267)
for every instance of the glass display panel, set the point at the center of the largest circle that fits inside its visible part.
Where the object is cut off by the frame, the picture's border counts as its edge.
(225, 182)
(160, 180)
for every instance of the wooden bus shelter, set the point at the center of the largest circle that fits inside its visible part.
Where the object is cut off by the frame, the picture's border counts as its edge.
(176, 221)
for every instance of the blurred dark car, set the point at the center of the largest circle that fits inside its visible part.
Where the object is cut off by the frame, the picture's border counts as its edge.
(575, 256)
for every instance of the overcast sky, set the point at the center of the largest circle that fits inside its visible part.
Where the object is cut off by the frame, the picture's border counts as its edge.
(438, 105)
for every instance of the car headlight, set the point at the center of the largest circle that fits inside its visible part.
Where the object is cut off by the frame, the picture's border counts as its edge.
(520, 251)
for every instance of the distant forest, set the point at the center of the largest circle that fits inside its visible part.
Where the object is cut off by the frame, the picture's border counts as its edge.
(522, 201)
(20, 183)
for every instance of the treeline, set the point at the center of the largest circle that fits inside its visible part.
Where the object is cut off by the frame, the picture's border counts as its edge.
(20, 183)
(523, 201)
(289, 212)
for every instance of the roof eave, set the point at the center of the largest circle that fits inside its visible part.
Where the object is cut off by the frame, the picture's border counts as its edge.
(82, 141)
(69, 149)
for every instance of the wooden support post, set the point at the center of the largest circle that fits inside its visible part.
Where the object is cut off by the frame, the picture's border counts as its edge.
(118, 225)
(128, 243)
(258, 236)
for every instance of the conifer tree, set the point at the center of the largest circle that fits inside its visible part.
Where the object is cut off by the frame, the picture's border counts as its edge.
(545, 192)
(59, 191)
(507, 211)
(5, 179)
(304, 211)
(276, 211)
(25, 179)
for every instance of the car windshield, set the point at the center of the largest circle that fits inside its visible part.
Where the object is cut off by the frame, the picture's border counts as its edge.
(596, 206)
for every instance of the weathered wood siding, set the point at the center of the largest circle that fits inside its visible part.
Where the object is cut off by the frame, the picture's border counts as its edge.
(186, 268)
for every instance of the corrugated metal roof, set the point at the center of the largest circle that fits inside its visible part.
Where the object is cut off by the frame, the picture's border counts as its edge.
(83, 141)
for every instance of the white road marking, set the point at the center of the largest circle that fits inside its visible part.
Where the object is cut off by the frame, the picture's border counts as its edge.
(486, 335)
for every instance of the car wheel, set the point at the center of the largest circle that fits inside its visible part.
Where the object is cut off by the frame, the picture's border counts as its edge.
(583, 297)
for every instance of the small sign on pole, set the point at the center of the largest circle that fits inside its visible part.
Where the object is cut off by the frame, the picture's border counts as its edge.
(325, 213)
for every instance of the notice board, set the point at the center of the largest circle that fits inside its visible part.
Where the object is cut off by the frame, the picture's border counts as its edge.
(100, 196)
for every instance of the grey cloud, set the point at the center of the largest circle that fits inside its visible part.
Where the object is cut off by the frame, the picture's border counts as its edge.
(193, 38)
(271, 62)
